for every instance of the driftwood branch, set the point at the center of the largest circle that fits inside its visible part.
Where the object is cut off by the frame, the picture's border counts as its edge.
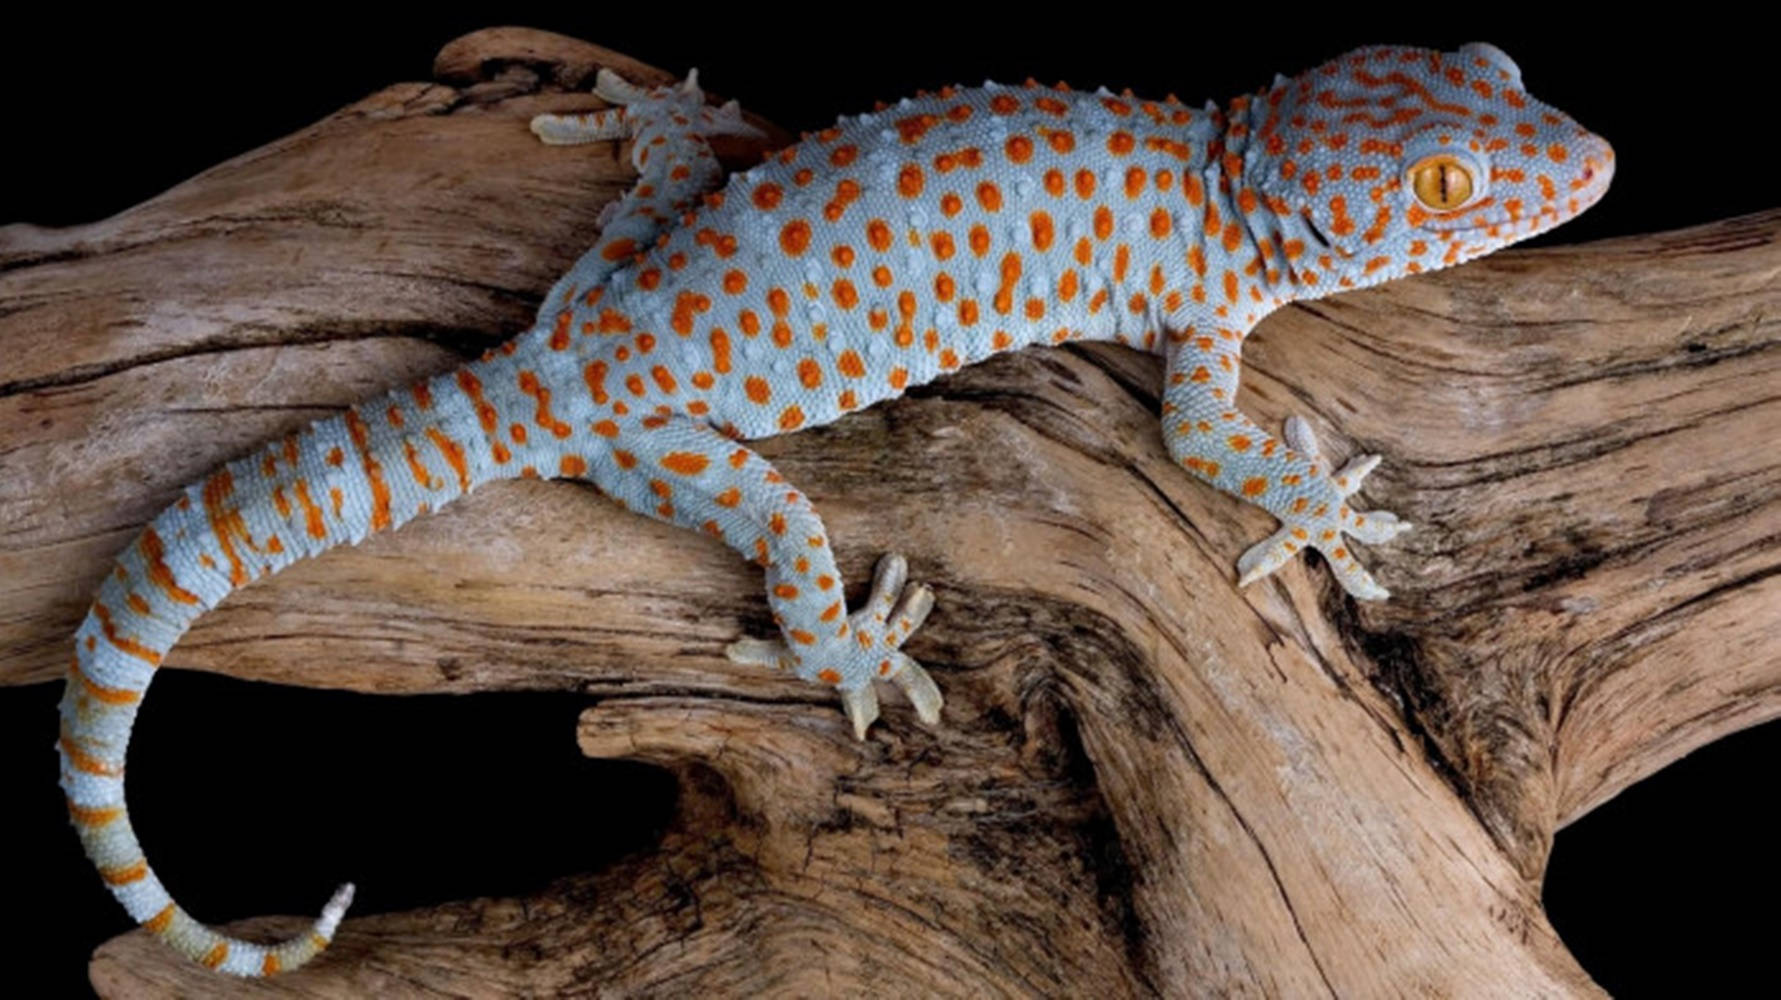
(1147, 781)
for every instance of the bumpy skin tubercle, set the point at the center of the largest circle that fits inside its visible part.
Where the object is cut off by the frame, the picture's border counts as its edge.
(877, 254)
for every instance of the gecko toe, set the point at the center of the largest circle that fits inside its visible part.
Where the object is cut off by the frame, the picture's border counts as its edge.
(920, 689)
(1300, 437)
(1349, 478)
(862, 708)
(1375, 526)
(769, 653)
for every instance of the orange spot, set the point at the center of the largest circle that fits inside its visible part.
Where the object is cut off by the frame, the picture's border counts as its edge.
(159, 573)
(729, 498)
(625, 459)
(1255, 486)
(226, 522)
(758, 390)
(794, 238)
(83, 761)
(878, 234)
(912, 128)
(791, 418)
(686, 463)
(159, 923)
(828, 676)
(86, 816)
(454, 457)
(845, 295)
(217, 955)
(810, 373)
(910, 181)
(126, 874)
(108, 695)
(380, 490)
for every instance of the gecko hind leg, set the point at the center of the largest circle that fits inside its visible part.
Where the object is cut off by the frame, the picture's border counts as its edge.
(669, 126)
(892, 612)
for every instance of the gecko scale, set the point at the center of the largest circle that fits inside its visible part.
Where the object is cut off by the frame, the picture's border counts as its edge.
(877, 254)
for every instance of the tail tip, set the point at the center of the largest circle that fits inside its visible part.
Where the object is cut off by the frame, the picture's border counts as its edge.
(334, 911)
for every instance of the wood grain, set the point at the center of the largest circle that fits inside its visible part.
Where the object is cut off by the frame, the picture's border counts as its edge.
(1146, 783)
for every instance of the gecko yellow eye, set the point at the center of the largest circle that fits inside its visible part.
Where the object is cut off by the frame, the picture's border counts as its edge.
(1442, 182)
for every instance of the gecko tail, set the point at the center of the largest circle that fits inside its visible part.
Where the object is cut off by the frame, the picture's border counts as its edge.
(98, 710)
(115, 658)
(236, 957)
(334, 482)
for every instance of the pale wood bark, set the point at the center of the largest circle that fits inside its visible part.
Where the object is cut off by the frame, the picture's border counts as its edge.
(1147, 782)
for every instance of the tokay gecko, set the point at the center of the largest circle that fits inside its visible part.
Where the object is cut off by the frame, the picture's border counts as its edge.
(877, 254)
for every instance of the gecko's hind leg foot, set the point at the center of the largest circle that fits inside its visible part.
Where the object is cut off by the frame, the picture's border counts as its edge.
(634, 106)
(868, 651)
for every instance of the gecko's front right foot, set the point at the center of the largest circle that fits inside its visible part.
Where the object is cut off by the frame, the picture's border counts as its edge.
(868, 652)
(1321, 519)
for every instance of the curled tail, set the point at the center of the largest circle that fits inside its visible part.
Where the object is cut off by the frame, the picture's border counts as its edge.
(335, 481)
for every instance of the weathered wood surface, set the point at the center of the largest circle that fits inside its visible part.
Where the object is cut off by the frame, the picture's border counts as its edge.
(1147, 782)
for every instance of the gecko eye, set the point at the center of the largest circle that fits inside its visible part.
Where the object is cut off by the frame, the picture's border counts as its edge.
(1442, 182)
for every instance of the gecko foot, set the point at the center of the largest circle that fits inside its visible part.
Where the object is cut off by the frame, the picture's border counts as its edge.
(633, 105)
(1321, 520)
(869, 652)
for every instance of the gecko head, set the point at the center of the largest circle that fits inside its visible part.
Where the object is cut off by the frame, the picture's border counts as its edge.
(1390, 161)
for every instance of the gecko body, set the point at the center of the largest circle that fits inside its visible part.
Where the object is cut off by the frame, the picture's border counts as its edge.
(875, 255)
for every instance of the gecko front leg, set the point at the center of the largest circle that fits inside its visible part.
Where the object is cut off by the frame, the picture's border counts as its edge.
(1212, 439)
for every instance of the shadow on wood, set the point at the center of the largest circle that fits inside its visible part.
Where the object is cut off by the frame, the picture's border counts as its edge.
(1147, 781)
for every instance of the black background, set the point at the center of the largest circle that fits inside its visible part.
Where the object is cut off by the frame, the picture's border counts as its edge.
(428, 799)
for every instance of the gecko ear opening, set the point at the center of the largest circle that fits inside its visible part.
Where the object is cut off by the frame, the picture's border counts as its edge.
(1496, 57)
